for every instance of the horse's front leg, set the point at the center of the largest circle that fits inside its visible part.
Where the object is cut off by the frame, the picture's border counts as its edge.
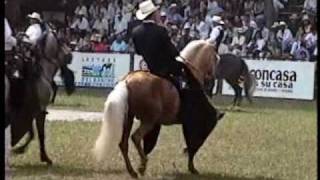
(54, 88)
(40, 122)
(137, 137)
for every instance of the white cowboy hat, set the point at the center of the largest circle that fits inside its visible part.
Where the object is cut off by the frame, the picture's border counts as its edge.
(275, 24)
(81, 13)
(34, 15)
(163, 14)
(282, 23)
(145, 9)
(305, 17)
(187, 26)
(217, 19)
(293, 16)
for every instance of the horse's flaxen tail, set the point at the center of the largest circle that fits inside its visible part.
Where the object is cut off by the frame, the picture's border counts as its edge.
(114, 115)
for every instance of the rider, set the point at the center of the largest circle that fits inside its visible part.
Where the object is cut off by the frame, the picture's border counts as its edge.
(217, 33)
(33, 32)
(151, 40)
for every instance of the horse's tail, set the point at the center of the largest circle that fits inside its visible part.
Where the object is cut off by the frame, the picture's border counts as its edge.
(115, 113)
(249, 85)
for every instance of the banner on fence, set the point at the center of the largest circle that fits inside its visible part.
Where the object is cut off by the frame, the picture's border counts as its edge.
(280, 79)
(98, 69)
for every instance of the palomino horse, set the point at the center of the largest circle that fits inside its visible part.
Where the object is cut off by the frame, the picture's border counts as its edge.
(236, 73)
(36, 93)
(155, 102)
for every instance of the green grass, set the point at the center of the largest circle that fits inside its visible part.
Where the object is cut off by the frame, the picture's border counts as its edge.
(270, 139)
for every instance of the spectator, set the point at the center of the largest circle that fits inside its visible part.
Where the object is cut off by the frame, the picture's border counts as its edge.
(93, 10)
(101, 25)
(277, 6)
(119, 45)
(174, 16)
(284, 36)
(203, 28)
(238, 41)
(84, 44)
(310, 6)
(248, 7)
(120, 24)
(293, 24)
(301, 53)
(81, 8)
(213, 8)
(111, 11)
(81, 24)
(164, 19)
(258, 9)
(259, 45)
(101, 46)
(185, 39)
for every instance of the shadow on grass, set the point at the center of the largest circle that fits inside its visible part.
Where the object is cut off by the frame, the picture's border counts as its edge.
(209, 176)
(60, 170)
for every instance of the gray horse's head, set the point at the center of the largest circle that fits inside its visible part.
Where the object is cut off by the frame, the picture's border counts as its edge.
(57, 49)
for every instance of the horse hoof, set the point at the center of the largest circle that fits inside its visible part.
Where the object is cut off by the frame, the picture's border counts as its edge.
(185, 150)
(142, 170)
(134, 175)
(47, 160)
(194, 171)
(19, 150)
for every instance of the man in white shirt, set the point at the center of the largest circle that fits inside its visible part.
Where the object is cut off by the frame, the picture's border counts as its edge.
(285, 36)
(101, 25)
(81, 24)
(81, 8)
(33, 32)
(120, 24)
(216, 34)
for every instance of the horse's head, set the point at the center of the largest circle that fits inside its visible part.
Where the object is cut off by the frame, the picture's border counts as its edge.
(57, 50)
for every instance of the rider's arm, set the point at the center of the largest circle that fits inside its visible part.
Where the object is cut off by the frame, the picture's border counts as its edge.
(167, 42)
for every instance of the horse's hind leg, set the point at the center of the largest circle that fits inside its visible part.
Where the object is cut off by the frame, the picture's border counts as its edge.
(137, 137)
(239, 95)
(150, 139)
(21, 149)
(40, 120)
(124, 145)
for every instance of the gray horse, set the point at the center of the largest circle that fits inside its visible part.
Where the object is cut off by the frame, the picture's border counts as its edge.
(36, 92)
(236, 72)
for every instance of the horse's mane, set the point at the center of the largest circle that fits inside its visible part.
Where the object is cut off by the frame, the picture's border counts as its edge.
(194, 47)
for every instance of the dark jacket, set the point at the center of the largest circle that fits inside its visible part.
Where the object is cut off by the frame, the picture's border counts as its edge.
(153, 43)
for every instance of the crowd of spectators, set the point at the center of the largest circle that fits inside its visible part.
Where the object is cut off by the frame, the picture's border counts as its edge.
(105, 26)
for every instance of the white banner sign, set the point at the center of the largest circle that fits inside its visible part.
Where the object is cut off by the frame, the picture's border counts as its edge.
(280, 79)
(98, 69)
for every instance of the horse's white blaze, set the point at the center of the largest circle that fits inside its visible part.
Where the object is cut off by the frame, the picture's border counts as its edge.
(115, 112)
